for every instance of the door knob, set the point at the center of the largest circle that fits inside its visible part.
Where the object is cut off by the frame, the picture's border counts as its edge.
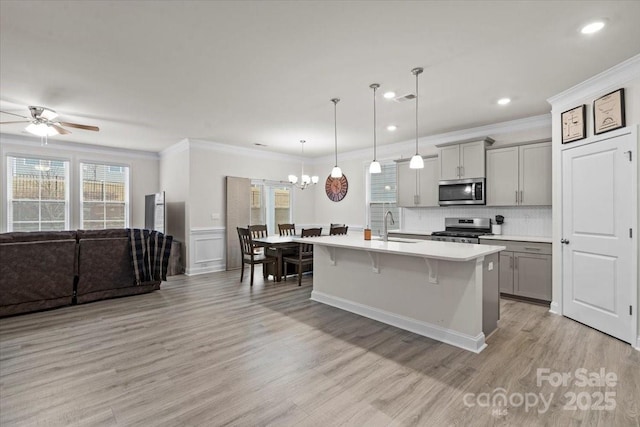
(565, 241)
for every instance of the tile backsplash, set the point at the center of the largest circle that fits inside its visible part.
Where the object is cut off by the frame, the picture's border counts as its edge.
(518, 221)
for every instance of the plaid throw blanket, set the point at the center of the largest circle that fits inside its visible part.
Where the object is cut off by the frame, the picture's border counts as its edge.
(149, 254)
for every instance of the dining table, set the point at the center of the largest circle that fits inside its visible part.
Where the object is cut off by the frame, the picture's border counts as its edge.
(279, 244)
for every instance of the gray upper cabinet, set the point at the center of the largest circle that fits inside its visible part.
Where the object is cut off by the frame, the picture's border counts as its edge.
(418, 187)
(519, 175)
(463, 160)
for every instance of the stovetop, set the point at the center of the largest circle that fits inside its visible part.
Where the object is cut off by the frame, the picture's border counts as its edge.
(460, 233)
(469, 228)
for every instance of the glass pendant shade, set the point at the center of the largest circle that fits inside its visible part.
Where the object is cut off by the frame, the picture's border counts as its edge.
(41, 129)
(416, 162)
(375, 167)
(336, 172)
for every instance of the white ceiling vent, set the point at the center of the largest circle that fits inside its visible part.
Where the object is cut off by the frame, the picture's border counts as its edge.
(403, 98)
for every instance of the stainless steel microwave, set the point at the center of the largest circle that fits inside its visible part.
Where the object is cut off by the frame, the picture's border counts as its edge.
(462, 192)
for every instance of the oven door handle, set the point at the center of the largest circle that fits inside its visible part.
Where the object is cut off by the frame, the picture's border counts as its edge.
(473, 191)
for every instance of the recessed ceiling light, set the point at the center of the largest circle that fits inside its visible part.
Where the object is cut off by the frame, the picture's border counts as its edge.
(592, 27)
(392, 128)
(504, 101)
(389, 95)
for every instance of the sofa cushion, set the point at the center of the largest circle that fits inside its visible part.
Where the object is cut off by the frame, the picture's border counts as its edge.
(37, 270)
(109, 233)
(36, 236)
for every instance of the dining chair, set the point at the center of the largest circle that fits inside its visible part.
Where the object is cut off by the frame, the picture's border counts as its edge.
(251, 257)
(258, 231)
(334, 231)
(287, 229)
(336, 225)
(305, 253)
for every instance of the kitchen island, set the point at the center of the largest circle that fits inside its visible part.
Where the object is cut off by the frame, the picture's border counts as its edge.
(441, 290)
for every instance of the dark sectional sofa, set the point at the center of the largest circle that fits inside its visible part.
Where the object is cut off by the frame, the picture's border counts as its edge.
(42, 270)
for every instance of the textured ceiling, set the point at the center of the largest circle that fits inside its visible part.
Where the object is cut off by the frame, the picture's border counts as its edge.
(152, 73)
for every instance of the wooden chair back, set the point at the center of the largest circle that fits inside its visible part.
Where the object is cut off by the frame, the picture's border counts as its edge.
(306, 249)
(258, 231)
(246, 243)
(287, 229)
(336, 225)
(334, 231)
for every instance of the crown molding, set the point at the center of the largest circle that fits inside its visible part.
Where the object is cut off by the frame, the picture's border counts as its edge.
(604, 82)
(389, 150)
(176, 148)
(233, 149)
(56, 144)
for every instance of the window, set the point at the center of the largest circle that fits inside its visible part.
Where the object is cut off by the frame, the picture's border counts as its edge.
(271, 205)
(38, 194)
(104, 196)
(382, 197)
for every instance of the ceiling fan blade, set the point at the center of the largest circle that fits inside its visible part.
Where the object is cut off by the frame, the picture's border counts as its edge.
(14, 114)
(75, 125)
(19, 121)
(60, 129)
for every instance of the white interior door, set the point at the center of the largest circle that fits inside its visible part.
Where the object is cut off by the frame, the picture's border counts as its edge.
(597, 214)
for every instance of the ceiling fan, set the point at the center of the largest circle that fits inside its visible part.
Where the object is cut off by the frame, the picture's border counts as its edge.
(43, 122)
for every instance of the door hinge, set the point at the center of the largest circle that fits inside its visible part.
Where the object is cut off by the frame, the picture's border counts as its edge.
(629, 153)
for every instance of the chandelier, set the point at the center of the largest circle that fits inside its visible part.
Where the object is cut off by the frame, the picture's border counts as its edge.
(305, 180)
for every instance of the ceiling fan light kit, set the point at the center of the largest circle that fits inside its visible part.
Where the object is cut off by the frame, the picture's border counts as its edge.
(43, 123)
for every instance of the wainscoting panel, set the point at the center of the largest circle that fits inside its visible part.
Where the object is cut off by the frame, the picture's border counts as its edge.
(207, 250)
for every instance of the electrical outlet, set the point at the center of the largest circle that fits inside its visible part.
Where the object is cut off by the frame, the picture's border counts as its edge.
(490, 267)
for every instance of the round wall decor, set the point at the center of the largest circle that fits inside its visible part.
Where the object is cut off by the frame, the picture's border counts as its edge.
(336, 188)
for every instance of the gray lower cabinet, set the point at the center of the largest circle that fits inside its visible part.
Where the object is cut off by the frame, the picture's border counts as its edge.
(525, 269)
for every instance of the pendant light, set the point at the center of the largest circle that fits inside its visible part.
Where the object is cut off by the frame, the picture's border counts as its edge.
(305, 180)
(416, 160)
(374, 167)
(336, 172)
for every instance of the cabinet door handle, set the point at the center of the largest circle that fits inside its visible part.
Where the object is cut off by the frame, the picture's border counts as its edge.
(511, 262)
(532, 249)
(458, 171)
(521, 197)
(516, 197)
(461, 171)
(516, 263)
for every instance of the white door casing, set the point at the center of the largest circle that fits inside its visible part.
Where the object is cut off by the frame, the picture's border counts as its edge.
(598, 211)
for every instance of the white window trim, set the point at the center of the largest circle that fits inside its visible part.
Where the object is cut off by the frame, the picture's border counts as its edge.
(127, 189)
(8, 180)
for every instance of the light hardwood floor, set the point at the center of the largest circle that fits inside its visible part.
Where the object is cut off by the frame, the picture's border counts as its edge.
(211, 351)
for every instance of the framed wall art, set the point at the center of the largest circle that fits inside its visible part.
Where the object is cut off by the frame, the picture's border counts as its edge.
(574, 124)
(608, 112)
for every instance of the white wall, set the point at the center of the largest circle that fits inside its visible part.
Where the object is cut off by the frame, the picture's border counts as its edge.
(627, 75)
(143, 171)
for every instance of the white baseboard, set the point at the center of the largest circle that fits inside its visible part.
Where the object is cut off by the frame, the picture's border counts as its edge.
(638, 343)
(466, 342)
(554, 308)
(194, 271)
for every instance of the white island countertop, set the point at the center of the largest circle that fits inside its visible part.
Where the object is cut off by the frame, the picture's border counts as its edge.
(447, 251)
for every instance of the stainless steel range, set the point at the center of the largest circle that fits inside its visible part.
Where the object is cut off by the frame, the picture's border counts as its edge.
(463, 230)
